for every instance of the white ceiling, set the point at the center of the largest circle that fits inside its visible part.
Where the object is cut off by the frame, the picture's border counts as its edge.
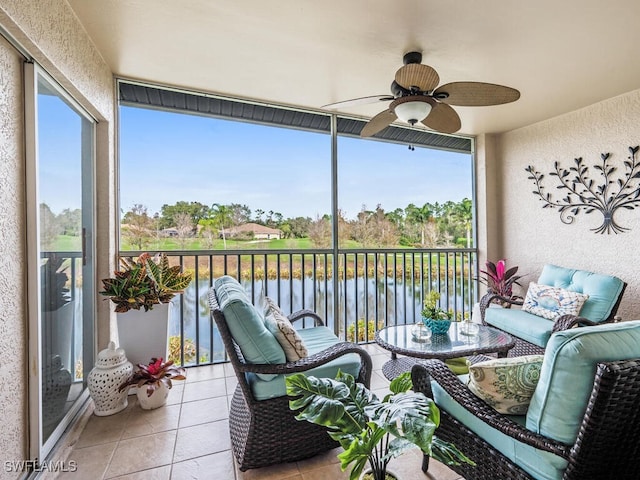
(561, 55)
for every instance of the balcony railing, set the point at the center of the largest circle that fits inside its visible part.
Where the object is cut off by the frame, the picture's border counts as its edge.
(372, 289)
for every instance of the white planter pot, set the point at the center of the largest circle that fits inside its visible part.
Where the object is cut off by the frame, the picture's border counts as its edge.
(145, 335)
(58, 333)
(368, 470)
(157, 399)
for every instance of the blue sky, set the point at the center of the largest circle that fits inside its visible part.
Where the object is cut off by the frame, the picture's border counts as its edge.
(59, 154)
(167, 157)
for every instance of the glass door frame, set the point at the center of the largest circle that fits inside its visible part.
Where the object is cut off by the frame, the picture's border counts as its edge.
(38, 447)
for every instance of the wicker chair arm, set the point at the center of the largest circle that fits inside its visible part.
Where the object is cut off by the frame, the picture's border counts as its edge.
(437, 370)
(317, 320)
(565, 322)
(488, 298)
(312, 361)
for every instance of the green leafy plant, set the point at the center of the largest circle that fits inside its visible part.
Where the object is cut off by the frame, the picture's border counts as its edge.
(370, 330)
(431, 309)
(370, 430)
(176, 349)
(153, 375)
(145, 282)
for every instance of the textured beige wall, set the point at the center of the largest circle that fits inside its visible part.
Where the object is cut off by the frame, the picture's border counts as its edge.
(51, 34)
(532, 236)
(13, 346)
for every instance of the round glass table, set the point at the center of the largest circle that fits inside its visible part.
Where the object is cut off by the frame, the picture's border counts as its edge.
(457, 342)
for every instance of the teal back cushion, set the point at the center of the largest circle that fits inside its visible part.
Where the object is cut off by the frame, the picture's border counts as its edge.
(246, 324)
(603, 290)
(568, 370)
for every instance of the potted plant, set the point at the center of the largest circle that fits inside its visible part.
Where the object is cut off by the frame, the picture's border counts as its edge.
(500, 281)
(153, 382)
(142, 291)
(434, 317)
(370, 430)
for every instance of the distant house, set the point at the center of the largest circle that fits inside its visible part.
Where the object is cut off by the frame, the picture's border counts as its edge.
(260, 232)
(170, 232)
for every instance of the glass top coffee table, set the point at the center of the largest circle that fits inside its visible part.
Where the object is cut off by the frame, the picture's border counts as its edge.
(399, 340)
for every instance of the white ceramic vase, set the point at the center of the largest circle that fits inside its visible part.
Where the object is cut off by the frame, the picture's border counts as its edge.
(157, 398)
(145, 335)
(111, 370)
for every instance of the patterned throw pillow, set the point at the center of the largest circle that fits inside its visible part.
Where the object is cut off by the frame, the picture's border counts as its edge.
(506, 384)
(552, 302)
(280, 326)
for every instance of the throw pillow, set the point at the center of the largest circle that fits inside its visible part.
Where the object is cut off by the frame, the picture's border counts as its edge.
(280, 326)
(552, 302)
(506, 384)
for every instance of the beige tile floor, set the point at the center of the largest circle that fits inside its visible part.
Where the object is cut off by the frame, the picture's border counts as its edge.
(189, 438)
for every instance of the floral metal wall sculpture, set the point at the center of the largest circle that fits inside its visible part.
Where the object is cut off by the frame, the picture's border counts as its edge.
(611, 192)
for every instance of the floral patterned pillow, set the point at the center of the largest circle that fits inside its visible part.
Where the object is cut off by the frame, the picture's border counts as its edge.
(552, 302)
(506, 384)
(280, 326)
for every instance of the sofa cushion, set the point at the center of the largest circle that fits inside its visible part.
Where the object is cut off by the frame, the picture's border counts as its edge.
(603, 290)
(566, 379)
(524, 325)
(246, 324)
(506, 384)
(280, 326)
(552, 302)
(539, 464)
(316, 339)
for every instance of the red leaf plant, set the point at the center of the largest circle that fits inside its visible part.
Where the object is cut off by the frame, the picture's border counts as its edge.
(499, 280)
(154, 374)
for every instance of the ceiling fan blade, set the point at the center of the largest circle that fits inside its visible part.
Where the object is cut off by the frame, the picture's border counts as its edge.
(417, 75)
(377, 123)
(476, 94)
(358, 101)
(443, 118)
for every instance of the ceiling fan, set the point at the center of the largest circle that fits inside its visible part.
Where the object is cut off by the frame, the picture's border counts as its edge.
(415, 98)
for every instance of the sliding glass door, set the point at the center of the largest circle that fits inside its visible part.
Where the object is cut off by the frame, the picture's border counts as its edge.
(60, 158)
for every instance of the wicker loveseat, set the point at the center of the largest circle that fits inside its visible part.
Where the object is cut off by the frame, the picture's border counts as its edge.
(583, 421)
(532, 332)
(262, 427)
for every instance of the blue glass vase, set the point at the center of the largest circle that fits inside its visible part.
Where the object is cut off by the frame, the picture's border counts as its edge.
(437, 327)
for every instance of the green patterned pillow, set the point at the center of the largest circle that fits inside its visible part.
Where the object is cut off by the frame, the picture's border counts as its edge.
(506, 384)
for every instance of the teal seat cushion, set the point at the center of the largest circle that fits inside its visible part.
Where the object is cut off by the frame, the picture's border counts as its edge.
(603, 290)
(316, 340)
(246, 324)
(566, 379)
(539, 464)
(526, 326)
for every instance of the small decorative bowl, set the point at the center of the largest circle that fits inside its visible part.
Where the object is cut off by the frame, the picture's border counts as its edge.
(437, 327)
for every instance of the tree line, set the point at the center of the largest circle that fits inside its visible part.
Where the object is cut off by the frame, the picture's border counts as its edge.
(431, 225)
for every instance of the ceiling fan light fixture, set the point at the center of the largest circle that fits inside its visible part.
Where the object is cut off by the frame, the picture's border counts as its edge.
(412, 109)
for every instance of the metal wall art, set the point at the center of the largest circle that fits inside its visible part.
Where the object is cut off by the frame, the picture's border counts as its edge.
(606, 195)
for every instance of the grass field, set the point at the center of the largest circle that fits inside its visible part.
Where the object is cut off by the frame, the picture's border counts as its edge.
(67, 243)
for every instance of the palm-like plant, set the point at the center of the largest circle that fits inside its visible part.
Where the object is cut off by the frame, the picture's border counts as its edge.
(368, 429)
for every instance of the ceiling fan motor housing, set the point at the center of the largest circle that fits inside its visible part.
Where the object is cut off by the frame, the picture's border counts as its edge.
(412, 57)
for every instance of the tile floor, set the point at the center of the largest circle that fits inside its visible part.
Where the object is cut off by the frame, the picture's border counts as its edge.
(189, 438)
